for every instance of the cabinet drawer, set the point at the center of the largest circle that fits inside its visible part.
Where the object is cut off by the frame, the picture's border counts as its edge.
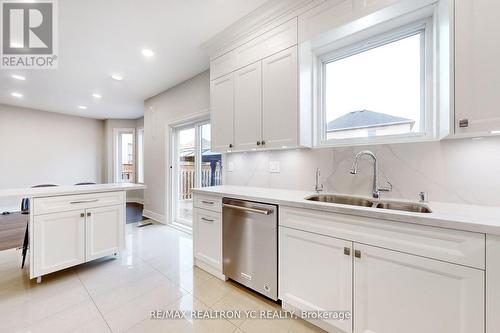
(460, 247)
(209, 202)
(74, 202)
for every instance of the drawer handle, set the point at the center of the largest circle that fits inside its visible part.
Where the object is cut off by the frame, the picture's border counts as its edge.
(207, 202)
(207, 220)
(83, 201)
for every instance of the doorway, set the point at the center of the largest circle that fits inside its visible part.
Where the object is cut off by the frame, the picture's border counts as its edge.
(194, 165)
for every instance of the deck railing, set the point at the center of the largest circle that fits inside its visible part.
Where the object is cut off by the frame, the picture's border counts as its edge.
(187, 180)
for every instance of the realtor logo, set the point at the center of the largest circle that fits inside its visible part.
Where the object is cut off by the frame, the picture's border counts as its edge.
(28, 34)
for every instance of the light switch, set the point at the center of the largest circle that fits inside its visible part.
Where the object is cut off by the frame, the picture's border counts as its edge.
(230, 166)
(274, 166)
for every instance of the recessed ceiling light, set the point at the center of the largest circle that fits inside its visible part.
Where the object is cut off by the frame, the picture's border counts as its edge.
(18, 77)
(147, 53)
(96, 95)
(495, 132)
(82, 107)
(16, 94)
(117, 77)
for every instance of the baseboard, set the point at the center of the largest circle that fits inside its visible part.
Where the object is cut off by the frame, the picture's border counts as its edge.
(136, 200)
(153, 216)
(209, 269)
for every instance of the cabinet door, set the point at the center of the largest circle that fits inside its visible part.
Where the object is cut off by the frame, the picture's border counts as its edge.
(247, 107)
(316, 274)
(105, 229)
(222, 112)
(207, 230)
(58, 241)
(477, 74)
(397, 292)
(279, 99)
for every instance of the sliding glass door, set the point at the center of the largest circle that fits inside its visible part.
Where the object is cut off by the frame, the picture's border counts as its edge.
(194, 165)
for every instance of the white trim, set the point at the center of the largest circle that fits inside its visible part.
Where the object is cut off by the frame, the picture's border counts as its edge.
(153, 216)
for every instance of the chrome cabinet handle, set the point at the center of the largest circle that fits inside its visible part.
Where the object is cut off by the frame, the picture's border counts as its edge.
(207, 202)
(83, 201)
(248, 209)
(207, 220)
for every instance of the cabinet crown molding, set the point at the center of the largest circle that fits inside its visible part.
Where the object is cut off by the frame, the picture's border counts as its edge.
(267, 16)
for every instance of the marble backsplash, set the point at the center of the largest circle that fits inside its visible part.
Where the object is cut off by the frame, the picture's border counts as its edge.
(461, 171)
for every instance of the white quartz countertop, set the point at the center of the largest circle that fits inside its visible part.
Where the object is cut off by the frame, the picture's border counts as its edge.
(475, 218)
(68, 190)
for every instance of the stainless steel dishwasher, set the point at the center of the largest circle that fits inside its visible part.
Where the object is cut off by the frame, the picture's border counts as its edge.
(250, 245)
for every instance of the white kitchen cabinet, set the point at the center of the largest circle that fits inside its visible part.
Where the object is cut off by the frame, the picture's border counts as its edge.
(104, 231)
(59, 241)
(207, 240)
(316, 274)
(477, 74)
(492, 285)
(222, 113)
(398, 292)
(248, 107)
(280, 99)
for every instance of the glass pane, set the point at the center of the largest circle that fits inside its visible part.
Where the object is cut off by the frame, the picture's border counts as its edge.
(126, 157)
(211, 166)
(376, 92)
(140, 156)
(185, 173)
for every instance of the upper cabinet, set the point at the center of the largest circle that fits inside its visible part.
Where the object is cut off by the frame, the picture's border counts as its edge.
(254, 94)
(477, 73)
(222, 112)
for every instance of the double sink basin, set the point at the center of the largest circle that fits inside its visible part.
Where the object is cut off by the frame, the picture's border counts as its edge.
(355, 201)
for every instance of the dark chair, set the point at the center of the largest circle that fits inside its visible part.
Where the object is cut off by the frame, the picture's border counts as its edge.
(78, 184)
(25, 209)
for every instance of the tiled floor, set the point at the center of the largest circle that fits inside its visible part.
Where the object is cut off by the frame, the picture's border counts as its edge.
(116, 294)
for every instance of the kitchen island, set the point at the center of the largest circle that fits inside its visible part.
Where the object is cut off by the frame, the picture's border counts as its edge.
(71, 225)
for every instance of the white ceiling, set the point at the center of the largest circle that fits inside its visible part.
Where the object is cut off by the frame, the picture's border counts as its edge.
(98, 38)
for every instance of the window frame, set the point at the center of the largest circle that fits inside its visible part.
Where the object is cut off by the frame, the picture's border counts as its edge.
(140, 155)
(339, 50)
(116, 154)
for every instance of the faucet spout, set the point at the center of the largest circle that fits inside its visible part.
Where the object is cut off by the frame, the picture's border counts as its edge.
(376, 188)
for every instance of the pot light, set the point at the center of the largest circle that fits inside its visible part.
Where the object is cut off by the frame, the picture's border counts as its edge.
(18, 77)
(495, 132)
(16, 94)
(117, 77)
(147, 53)
(96, 95)
(82, 107)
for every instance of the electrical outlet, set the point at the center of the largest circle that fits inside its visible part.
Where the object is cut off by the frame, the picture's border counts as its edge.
(274, 166)
(230, 166)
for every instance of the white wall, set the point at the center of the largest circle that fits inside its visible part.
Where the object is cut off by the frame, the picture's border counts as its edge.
(462, 171)
(185, 99)
(39, 147)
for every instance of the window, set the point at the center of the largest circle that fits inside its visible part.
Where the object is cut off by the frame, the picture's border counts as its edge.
(375, 89)
(140, 155)
(124, 161)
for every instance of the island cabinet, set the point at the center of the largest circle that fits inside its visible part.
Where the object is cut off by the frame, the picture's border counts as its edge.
(392, 277)
(73, 229)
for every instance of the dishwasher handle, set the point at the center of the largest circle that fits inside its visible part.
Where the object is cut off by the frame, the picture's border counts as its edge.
(248, 209)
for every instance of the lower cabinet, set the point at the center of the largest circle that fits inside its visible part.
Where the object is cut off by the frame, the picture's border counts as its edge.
(105, 231)
(59, 241)
(398, 292)
(207, 240)
(387, 291)
(316, 274)
(65, 239)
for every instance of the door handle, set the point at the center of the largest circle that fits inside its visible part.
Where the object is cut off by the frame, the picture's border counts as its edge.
(248, 209)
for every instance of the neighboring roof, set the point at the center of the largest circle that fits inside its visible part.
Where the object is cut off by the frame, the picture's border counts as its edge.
(365, 119)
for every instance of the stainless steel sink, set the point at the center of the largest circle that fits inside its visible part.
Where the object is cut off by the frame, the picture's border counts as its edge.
(404, 206)
(341, 199)
(355, 201)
